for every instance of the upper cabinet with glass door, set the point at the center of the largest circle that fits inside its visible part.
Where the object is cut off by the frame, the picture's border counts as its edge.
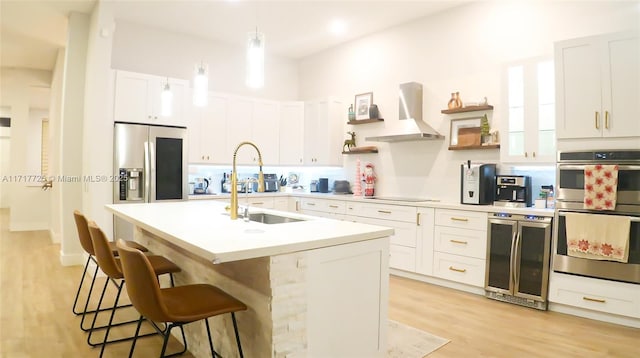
(529, 131)
(598, 83)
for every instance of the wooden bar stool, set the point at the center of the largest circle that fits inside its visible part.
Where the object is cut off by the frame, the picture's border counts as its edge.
(175, 305)
(82, 226)
(111, 266)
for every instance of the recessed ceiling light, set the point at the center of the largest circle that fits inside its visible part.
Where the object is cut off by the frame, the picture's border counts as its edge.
(338, 27)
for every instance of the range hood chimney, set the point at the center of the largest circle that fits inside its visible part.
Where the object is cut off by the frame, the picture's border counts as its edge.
(410, 108)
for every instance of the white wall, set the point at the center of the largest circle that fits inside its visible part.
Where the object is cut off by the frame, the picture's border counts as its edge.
(98, 117)
(55, 124)
(27, 203)
(5, 150)
(71, 140)
(148, 50)
(463, 49)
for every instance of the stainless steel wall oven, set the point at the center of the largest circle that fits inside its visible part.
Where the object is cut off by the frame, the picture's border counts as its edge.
(570, 195)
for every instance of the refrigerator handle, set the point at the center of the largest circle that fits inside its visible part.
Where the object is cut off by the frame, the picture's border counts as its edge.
(147, 172)
(152, 171)
(516, 262)
(512, 270)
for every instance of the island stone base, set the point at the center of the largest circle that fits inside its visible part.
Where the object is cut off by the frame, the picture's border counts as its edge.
(327, 302)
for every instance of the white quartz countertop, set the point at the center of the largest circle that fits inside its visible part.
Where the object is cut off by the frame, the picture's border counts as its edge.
(203, 228)
(428, 203)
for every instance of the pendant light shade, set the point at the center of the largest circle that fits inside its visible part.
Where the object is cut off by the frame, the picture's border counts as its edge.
(200, 85)
(166, 100)
(255, 59)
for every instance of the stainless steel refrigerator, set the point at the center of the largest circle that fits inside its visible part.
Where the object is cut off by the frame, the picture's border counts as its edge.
(151, 162)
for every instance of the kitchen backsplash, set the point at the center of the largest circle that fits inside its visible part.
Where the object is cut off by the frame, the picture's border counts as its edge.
(305, 174)
(543, 175)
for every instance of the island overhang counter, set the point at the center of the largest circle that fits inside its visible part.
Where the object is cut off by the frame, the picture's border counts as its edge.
(315, 288)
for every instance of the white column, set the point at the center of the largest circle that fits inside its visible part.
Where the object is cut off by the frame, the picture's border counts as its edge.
(71, 135)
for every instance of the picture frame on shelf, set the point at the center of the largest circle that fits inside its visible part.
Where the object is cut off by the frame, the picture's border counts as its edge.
(465, 132)
(362, 103)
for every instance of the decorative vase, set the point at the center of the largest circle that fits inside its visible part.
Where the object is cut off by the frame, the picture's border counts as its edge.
(458, 100)
(452, 101)
(352, 114)
(373, 111)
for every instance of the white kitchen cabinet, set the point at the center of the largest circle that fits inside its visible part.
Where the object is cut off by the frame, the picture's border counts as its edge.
(258, 202)
(255, 121)
(598, 86)
(207, 128)
(528, 133)
(281, 203)
(424, 241)
(291, 133)
(265, 131)
(334, 209)
(594, 294)
(239, 130)
(137, 99)
(403, 243)
(460, 246)
(323, 127)
(460, 269)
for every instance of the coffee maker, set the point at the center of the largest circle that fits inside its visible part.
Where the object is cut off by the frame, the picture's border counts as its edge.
(477, 183)
(513, 191)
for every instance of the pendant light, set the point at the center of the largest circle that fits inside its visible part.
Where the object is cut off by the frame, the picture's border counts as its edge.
(200, 85)
(166, 100)
(255, 59)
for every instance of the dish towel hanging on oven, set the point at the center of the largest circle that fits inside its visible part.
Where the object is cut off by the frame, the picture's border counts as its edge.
(598, 236)
(600, 187)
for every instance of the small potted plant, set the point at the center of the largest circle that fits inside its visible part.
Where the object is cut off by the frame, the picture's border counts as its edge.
(484, 130)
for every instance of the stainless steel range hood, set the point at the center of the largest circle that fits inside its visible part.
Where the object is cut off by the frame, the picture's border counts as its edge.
(410, 105)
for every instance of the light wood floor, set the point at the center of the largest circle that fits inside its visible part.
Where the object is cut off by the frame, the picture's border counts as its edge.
(36, 294)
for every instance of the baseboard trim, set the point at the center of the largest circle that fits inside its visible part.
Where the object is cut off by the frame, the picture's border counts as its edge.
(55, 237)
(598, 316)
(72, 259)
(438, 281)
(28, 226)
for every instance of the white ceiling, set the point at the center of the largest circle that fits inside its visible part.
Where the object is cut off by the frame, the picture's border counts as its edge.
(33, 30)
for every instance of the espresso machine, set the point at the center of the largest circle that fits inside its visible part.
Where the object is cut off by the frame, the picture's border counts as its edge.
(477, 183)
(513, 191)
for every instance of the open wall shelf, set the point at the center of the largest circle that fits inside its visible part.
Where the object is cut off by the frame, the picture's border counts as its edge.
(467, 109)
(365, 121)
(361, 150)
(468, 147)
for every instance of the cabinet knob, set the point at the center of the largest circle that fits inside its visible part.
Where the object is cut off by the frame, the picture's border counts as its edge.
(534, 154)
(207, 157)
(526, 155)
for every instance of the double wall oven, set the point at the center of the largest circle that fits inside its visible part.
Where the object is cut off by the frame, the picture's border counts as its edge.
(570, 196)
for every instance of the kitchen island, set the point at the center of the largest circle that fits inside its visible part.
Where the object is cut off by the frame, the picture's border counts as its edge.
(315, 287)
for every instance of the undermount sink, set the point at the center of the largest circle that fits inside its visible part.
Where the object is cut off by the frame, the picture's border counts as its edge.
(271, 218)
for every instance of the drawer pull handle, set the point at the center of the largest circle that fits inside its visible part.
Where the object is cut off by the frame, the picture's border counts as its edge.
(257, 203)
(594, 299)
(457, 269)
(459, 219)
(459, 242)
(384, 212)
(333, 206)
(311, 204)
